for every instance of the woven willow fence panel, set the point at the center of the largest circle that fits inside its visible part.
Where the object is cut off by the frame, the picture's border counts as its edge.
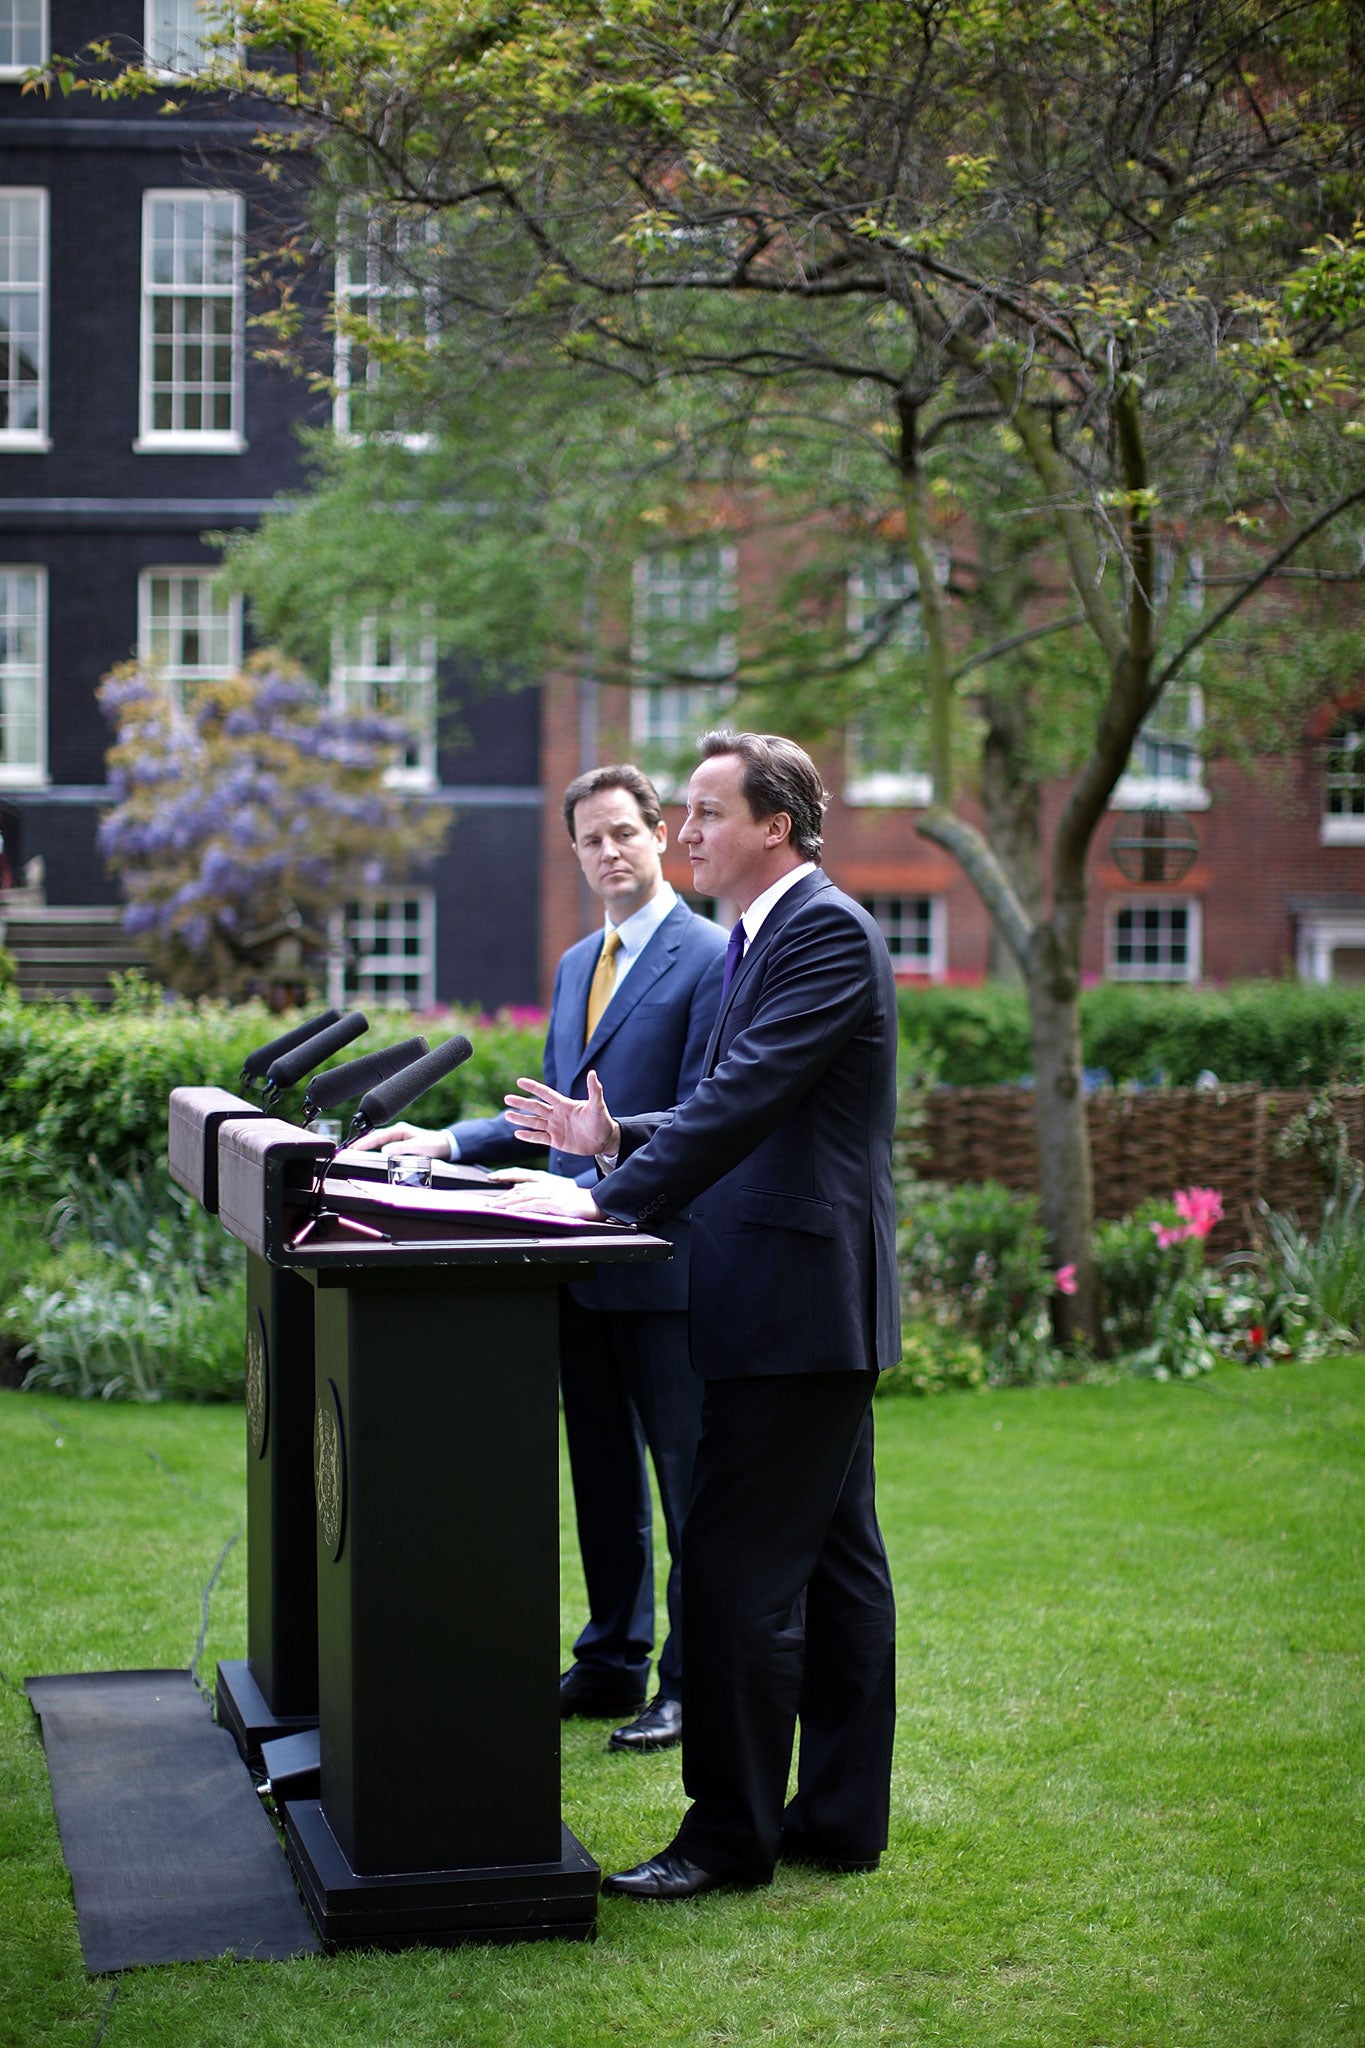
(1148, 1144)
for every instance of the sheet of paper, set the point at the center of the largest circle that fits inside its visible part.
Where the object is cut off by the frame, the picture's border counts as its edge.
(454, 1202)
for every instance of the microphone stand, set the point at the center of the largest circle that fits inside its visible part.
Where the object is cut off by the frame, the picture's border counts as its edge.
(320, 1213)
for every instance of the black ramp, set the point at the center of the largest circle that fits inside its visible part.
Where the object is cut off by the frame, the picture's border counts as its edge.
(172, 1857)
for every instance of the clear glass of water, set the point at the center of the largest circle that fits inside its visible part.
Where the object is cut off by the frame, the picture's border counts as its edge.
(408, 1169)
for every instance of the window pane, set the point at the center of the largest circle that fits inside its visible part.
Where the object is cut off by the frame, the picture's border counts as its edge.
(22, 40)
(1152, 942)
(388, 666)
(190, 627)
(22, 310)
(175, 33)
(389, 950)
(907, 924)
(194, 306)
(22, 670)
(1345, 768)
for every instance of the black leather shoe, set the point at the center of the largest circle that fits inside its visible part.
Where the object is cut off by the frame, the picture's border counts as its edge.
(666, 1876)
(793, 1848)
(587, 1694)
(659, 1727)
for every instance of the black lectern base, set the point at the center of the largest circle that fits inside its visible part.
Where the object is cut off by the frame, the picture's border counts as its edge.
(243, 1711)
(438, 1908)
(293, 1766)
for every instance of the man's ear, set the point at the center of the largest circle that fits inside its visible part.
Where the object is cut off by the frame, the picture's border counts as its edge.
(779, 829)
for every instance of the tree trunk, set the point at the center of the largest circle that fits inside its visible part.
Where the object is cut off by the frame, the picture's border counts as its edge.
(1011, 805)
(1054, 985)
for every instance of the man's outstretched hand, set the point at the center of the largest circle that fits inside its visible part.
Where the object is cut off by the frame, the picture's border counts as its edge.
(543, 1117)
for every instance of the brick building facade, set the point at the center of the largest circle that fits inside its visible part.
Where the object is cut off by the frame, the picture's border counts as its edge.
(135, 419)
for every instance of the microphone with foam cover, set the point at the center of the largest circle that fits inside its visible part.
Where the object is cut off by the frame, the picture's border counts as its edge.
(383, 1103)
(255, 1063)
(343, 1084)
(292, 1066)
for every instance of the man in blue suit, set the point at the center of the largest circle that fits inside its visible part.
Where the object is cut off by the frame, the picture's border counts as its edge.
(782, 1156)
(636, 1002)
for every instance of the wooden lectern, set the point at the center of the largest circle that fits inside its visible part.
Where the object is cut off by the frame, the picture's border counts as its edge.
(435, 1460)
(273, 1690)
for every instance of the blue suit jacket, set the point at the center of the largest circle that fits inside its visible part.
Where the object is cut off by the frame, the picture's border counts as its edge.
(783, 1152)
(648, 1050)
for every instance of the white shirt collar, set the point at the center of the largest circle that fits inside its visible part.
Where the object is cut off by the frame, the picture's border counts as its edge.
(636, 931)
(753, 917)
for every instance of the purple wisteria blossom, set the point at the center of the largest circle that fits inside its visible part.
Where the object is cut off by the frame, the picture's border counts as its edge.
(254, 810)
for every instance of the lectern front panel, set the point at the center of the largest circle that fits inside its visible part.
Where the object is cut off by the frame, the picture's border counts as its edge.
(438, 1477)
(282, 1577)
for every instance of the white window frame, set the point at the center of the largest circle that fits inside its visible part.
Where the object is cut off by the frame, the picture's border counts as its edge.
(665, 717)
(1344, 828)
(182, 676)
(888, 912)
(400, 662)
(359, 275)
(10, 66)
(176, 34)
(179, 440)
(1194, 938)
(1135, 789)
(357, 975)
(1319, 936)
(34, 439)
(872, 584)
(25, 675)
(907, 786)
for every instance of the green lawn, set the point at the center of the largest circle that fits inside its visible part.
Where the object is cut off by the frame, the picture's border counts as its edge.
(1128, 1779)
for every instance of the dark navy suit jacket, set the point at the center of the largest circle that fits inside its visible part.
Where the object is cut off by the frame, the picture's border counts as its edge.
(782, 1154)
(647, 1050)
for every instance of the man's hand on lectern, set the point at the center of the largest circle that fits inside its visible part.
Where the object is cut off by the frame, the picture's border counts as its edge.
(549, 1193)
(543, 1117)
(410, 1136)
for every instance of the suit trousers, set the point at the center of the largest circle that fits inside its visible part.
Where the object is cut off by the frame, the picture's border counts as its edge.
(628, 1382)
(789, 1616)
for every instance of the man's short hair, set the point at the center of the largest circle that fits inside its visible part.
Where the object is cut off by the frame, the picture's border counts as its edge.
(778, 776)
(617, 775)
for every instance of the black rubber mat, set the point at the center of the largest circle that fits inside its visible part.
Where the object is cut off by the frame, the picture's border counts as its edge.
(172, 1857)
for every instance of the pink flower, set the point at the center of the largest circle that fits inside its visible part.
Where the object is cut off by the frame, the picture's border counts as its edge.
(1201, 1208)
(1065, 1278)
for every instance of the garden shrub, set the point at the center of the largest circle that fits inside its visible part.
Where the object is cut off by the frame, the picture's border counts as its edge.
(934, 1357)
(125, 1330)
(1280, 1034)
(972, 1260)
(1322, 1273)
(140, 1294)
(113, 1281)
(80, 1083)
(977, 1036)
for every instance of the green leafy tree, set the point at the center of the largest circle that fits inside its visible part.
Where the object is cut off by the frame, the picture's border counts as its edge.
(1076, 285)
(242, 820)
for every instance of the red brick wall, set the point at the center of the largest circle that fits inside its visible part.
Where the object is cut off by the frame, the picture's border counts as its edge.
(1259, 847)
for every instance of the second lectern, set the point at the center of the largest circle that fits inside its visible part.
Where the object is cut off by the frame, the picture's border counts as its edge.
(436, 1470)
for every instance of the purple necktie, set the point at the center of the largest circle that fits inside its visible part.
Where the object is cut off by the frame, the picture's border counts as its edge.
(734, 953)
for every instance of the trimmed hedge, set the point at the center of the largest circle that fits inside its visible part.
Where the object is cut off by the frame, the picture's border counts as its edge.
(76, 1081)
(1280, 1034)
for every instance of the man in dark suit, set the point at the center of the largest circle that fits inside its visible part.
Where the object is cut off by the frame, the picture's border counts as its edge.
(636, 1001)
(782, 1154)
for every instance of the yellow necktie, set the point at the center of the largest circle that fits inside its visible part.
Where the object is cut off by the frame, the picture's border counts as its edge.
(603, 982)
